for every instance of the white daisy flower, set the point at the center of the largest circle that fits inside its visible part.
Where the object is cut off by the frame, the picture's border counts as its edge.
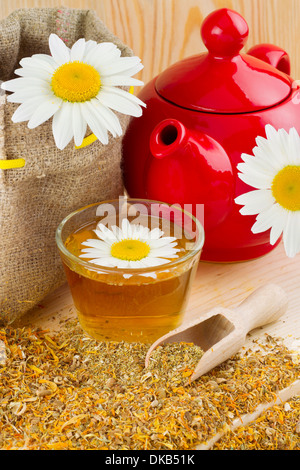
(78, 87)
(275, 171)
(130, 246)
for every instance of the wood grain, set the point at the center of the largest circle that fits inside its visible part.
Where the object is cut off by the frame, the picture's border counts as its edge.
(162, 32)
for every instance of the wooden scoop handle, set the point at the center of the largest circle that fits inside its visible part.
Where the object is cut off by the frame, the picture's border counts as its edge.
(265, 305)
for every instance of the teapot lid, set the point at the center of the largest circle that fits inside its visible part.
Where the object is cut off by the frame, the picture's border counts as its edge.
(223, 80)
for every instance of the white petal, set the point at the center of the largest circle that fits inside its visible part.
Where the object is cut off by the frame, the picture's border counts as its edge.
(127, 276)
(97, 244)
(266, 219)
(112, 121)
(123, 103)
(122, 263)
(271, 132)
(255, 179)
(294, 147)
(117, 232)
(95, 124)
(28, 94)
(155, 233)
(164, 253)
(77, 50)
(260, 162)
(123, 64)
(104, 53)
(276, 232)
(26, 109)
(93, 254)
(79, 124)
(96, 252)
(43, 59)
(156, 261)
(124, 94)
(245, 157)
(36, 72)
(161, 242)
(291, 234)
(255, 201)
(108, 262)
(19, 84)
(59, 51)
(274, 148)
(153, 275)
(142, 232)
(136, 264)
(126, 229)
(139, 232)
(297, 228)
(44, 112)
(43, 62)
(105, 233)
(106, 117)
(150, 263)
(90, 45)
(130, 72)
(279, 224)
(62, 125)
(134, 70)
(277, 140)
(120, 80)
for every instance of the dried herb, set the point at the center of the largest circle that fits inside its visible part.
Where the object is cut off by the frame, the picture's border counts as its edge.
(174, 362)
(67, 391)
(277, 429)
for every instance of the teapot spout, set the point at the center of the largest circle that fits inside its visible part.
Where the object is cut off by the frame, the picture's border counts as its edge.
(168, 137)
(189, 168)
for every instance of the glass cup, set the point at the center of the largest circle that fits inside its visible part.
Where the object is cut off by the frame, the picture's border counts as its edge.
(133, 305)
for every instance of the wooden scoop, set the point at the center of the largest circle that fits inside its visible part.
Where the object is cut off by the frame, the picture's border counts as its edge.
(222, 332)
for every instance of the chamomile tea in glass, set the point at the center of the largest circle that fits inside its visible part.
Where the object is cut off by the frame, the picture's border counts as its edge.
(130, 265)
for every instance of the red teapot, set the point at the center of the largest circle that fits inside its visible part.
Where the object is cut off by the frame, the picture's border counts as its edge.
(202, 114)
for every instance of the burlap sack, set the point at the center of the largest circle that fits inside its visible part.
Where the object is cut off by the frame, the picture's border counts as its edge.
(53, 183)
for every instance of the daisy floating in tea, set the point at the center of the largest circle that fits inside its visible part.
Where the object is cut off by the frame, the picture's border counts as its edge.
(131, 246)
(78, 87)
(275, 171)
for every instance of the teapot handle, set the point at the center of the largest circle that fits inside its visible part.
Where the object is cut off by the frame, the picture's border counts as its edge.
(272, 55)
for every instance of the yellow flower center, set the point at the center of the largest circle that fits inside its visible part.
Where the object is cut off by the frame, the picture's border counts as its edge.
(130, 250)
(76, 82)
(286, 188)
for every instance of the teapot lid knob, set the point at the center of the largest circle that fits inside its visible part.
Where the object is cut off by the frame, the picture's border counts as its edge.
(224, 32)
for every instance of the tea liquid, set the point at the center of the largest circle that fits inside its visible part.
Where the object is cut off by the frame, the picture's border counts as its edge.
(111, 307)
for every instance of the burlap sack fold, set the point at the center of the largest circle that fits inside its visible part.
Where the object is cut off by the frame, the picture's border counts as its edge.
(53, 182)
